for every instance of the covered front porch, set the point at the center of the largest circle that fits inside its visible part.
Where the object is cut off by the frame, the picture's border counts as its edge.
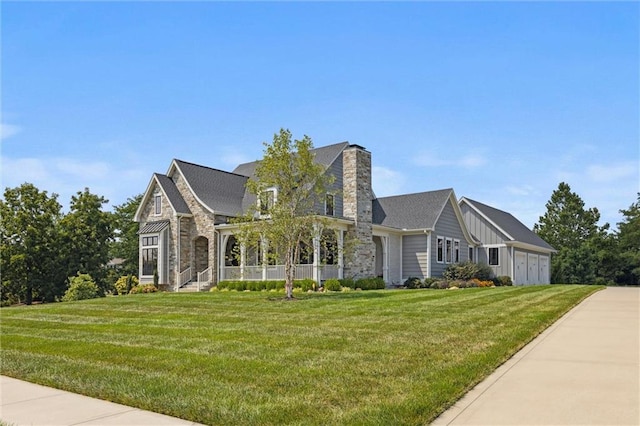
(323, 260)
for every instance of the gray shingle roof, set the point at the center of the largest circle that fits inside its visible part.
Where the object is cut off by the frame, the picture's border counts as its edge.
(174, 196)
(410, 211)
(153, 227)
(510, 225)
(221, 191)
(325, 155)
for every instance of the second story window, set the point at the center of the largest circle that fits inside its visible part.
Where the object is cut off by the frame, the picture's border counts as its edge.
(266, 201)
(329, 205)
(157, 204)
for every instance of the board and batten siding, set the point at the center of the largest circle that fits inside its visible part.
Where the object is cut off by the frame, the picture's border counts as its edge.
(414, 256)
(447, 227)
(335, 188)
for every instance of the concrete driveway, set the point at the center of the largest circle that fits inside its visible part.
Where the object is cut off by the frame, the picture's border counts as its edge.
(583, 370)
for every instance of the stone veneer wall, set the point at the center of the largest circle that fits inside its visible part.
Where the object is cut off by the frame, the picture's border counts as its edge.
(202, 223)
(357, 199)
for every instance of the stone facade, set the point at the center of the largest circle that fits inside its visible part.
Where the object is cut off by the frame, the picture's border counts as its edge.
(357, 196)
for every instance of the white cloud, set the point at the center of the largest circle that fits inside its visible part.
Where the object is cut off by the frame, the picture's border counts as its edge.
(523, 190)
(89, 170)
(612, 172)
(8, 130)
(387, 182)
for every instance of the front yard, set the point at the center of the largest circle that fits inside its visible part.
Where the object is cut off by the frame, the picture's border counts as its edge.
(375, 357)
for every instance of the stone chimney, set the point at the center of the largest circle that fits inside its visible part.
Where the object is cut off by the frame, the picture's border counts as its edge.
(357, 204)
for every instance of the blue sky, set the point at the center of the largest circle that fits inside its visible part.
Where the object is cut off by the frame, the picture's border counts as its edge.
(500, 100)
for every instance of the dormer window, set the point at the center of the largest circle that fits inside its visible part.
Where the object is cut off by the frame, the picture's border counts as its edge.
(157, 204)
(266, 201)
(329, 205)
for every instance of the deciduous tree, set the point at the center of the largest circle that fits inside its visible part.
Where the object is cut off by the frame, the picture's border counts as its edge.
(30, 244)
(126, 241)
(87, 232)
(629, 244)
(287, 183)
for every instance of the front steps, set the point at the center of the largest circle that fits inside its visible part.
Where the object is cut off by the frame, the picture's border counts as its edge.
(193, 287)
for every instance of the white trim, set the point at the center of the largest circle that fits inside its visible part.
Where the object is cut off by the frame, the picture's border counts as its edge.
(444, 256)
(489, 255)
(470, 204)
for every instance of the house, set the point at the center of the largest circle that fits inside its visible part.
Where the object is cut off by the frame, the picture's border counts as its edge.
(506, 244)
(188, 238)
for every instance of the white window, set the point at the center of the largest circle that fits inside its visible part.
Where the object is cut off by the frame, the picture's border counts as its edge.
(329, 204)
(494, 258)
(449, 252)
(157, 204)
(456, 251)
(440, 249)
(149, 254)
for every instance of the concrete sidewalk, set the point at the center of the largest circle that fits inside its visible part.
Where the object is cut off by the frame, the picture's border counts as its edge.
(24, 403)
(583, 370)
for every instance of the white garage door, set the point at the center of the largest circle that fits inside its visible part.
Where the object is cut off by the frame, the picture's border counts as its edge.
(532, 278)
(544, 270)
(521, 268)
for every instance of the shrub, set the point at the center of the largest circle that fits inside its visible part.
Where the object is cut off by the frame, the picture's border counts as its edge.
(125, 283)
(428, 281)
(332, 285)
(503, 280)
(143, 288)
(306, 284)
(468, 270)
(413, 282)
(81, 287)
(348, 282)
(374, 283)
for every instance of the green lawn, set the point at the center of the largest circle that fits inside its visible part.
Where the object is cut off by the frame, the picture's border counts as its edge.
(375, 357)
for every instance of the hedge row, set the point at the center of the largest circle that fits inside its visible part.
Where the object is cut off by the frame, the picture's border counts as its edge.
(304, 285)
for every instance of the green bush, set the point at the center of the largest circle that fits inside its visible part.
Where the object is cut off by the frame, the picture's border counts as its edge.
(348, 282)
(413, 282)
(428, 281)
(374, 283)
(125, 283)
(143, 288)
(466, 271)
(81, 287)
(306, 284)
(332, 285)
(503, 280)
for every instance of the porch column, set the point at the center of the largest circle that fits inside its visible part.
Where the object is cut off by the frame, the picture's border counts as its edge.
(385, 259)
(316, 254)
(222, 261)
(243, 260)
(340, 238)
(264, 244)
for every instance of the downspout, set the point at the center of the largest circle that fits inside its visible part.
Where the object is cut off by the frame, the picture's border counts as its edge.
(218, 255)
(178, 238)
(428, 233)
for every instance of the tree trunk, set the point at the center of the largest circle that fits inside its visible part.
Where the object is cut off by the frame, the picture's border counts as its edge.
(28, 300)
(289, 274)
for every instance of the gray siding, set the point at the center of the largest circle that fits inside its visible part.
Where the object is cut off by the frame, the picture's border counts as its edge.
(395, 250)
(414, 256)
(481, 228)
(334, 170)
(447, 227)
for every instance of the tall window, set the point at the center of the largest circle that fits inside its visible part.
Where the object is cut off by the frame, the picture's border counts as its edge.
(470, 254)
(329, 205)
(449, 251)
(494, 259)
(267, 200)
(456, 251)
(440, 249)
(157, 204)
(149, 255)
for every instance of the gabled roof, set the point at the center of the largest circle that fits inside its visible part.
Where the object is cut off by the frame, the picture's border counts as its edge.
(169, 189)
(410, 211)
(173, 195)
(325, 156)
(219, 191)
(513, 229)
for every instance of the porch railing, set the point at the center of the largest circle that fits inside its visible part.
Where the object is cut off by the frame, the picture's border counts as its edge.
(185, 277)
(204, 278)
(276, 272)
